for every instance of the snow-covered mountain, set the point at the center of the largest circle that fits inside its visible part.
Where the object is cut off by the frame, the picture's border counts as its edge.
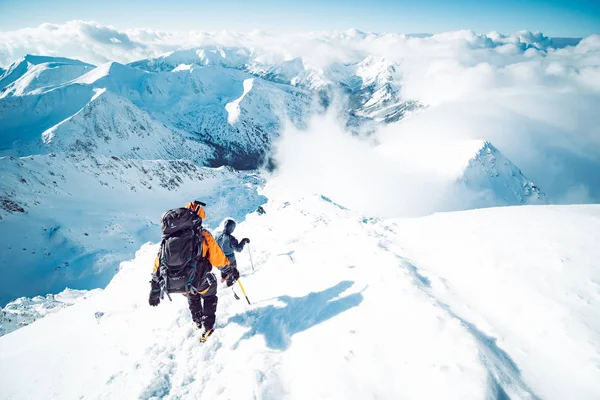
(459, 305)
(210, 56)
(225, 116)
(372, 85)
(111, 125)
(496, 180)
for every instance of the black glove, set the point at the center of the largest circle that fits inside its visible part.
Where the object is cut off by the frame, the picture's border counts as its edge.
(245, 240)
(230, 276)
(154, 298)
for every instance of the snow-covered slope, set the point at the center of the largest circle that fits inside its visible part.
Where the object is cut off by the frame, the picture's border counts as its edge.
(525, 280)
(378, 95)
(496, 303)
(111, 125)
(67, 219)
(23, 119)
(33, 73)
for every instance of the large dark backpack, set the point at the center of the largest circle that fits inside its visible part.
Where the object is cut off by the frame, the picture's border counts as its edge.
(180, 250)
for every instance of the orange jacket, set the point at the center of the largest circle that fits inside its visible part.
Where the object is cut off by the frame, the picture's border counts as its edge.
(210, 250)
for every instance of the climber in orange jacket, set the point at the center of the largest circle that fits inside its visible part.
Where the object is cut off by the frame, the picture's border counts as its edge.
(184, 264)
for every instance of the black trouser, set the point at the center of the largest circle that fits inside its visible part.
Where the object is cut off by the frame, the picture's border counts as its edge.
(203, 305)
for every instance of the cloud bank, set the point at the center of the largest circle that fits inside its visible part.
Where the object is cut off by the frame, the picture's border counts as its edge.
(95, 43)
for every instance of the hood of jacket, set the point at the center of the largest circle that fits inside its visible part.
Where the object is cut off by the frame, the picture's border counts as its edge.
(229, 226)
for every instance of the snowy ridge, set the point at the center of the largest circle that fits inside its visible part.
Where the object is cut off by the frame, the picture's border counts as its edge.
(470, 320)
(35, 72)
(206, 100)
(117, 77)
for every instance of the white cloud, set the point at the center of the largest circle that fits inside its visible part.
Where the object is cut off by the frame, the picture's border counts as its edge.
(326, 160)
(97, 43)
(538, 106)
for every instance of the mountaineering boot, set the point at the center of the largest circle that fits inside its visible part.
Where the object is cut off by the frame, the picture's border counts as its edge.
(206, 334)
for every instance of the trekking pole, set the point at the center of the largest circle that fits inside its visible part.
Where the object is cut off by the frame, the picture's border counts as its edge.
(243, 291)
(250, 252)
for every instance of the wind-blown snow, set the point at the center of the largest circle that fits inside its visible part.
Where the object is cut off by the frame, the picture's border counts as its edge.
(345, 306)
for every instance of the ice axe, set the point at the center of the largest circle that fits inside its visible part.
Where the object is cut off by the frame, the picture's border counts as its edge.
(243, 291)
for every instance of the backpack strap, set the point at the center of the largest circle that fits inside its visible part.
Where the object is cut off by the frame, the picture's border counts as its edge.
(162, 273)
(193, 267)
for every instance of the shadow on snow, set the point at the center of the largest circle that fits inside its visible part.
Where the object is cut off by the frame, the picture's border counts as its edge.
(279, 324)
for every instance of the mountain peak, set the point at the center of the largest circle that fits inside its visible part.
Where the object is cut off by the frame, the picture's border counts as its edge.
(488, 171)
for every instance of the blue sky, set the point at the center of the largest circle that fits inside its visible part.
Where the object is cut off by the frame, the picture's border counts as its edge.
(553, 17)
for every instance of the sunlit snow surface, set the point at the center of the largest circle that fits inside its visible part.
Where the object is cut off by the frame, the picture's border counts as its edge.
(479, 304)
